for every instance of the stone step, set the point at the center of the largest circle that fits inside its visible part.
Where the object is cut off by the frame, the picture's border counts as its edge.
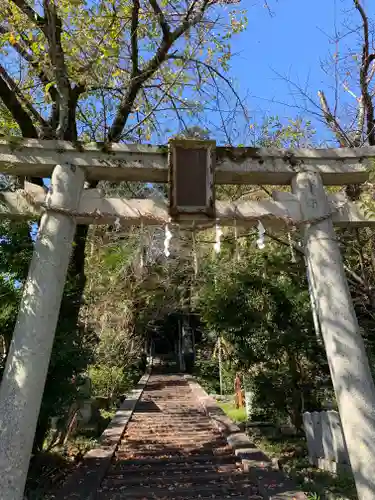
(165, 448)
(166, 438)
(164, 429)
(167, 477)
(165, 424)
(152, 406)
(186, 416)
(170, 429)
(155, 469)
(183, 490)
(167, 441)
(155, 496)
(169, 422)
(171, 450)
(155, 432)
(168, 419)
(178, 459)
(169, 455)
(176, 415)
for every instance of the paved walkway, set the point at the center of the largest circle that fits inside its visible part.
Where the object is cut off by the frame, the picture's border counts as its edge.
(172, 450)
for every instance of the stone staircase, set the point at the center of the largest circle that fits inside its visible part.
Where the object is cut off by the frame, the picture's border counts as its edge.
(172, 450)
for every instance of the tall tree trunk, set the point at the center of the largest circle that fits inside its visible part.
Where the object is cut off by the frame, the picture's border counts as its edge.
(76, 272)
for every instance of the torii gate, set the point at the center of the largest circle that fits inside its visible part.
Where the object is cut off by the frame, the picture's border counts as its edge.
(193, 168)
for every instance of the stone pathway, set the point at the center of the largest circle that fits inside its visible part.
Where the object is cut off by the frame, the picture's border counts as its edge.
(172, 450)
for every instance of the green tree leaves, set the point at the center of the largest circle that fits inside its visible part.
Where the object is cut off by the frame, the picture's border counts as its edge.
(122, 50)
(261, 307)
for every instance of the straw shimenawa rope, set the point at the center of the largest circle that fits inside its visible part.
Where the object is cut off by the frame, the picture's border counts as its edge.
(97, 215)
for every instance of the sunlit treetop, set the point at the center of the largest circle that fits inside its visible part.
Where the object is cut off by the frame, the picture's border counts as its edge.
(113, 69)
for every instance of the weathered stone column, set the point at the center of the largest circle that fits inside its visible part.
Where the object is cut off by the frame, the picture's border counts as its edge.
(350, 371)
(27, 364)
(313, 304)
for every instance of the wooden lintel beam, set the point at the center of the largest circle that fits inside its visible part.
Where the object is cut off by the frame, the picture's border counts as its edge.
(96, 209)
(123, 162)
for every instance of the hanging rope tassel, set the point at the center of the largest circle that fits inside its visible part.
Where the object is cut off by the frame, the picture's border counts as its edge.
(117, 224)
(141, 259)
(167, 240)
(261, 233)
(236, 249)
(219, 233)
(292, 253)
(195, 256)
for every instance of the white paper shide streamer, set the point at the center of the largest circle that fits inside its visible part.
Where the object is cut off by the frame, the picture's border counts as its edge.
(218, 233)
(292, 253)
(167, 240)
(195, 256)
(236, 249)
(117, 224)
(261, 233)
(141, 259)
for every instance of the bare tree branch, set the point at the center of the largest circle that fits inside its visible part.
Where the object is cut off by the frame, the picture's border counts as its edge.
(156, 105)
(22, 49)
(25, 52)
(10, 100)
(289, 244)
(332, 122)
(357, 138)
(15, 88)
(192, 18)
(34, 17)
(57, 58)
(134, 39)
(23, 119)
(212, 70)
(162, 21)
(367, 58)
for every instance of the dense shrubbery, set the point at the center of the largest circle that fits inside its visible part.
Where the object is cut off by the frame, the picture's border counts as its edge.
(9, 306)
(264, 313)
(112, 382)
(206, 370)
(114, 365)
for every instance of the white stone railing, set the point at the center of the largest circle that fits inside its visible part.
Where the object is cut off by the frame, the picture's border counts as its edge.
(325, 441)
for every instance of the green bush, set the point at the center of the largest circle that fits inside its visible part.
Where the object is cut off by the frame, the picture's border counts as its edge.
(108, 381)
(266, 319)
(206, 371)
(113, 381)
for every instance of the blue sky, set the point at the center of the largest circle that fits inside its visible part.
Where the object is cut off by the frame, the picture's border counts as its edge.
(292, 42)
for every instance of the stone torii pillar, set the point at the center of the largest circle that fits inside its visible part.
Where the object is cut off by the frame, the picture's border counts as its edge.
(28, 359)
(347, 359)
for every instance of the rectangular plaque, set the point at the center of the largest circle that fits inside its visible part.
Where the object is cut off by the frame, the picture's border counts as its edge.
(191, 177)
